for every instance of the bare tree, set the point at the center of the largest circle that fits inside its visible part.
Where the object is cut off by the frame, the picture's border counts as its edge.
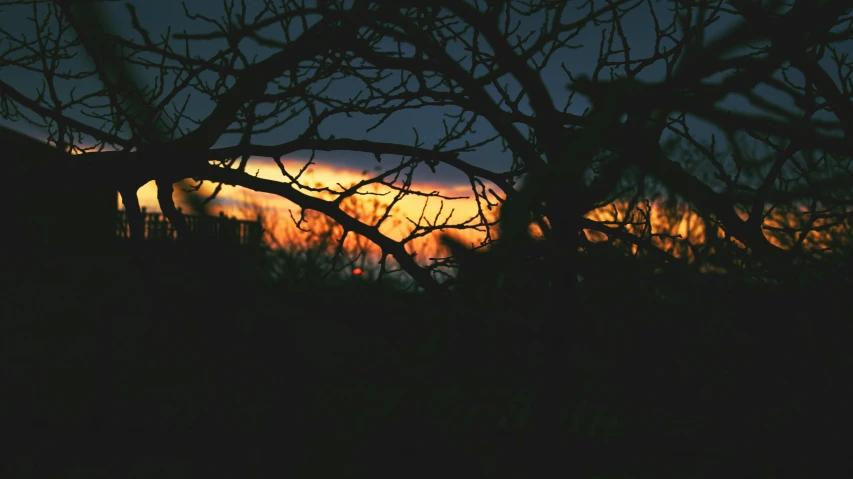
(141, 139)
(768, 195)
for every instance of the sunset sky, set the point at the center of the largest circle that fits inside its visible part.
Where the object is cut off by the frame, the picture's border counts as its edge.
(345, 167)
(244, 203)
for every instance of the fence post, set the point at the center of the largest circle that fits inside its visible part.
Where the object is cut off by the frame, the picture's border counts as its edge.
(219, 228)
(257, 230)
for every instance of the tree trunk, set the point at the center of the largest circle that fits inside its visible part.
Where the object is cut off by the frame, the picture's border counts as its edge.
(546, 450)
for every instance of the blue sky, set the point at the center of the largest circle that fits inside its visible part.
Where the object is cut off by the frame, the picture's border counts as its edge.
(159, 15)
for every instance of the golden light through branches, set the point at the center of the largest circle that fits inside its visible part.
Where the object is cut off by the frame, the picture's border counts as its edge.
(673, 226)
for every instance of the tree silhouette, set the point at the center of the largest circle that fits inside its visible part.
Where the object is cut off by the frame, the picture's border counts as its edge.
(571, 145)
(770, 191)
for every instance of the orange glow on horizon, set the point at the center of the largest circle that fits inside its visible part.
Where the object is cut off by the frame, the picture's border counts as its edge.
(674, 227)
(279, 213)
(679, 230)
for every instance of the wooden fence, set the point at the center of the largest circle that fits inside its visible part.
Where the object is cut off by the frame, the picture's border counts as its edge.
(221, 229)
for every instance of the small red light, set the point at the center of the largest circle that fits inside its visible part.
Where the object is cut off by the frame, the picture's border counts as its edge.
(357, 271)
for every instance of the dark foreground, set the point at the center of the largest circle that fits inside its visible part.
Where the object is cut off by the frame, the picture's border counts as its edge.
(196, 375)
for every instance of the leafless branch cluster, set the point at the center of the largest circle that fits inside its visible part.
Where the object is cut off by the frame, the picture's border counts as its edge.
(588, 150)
